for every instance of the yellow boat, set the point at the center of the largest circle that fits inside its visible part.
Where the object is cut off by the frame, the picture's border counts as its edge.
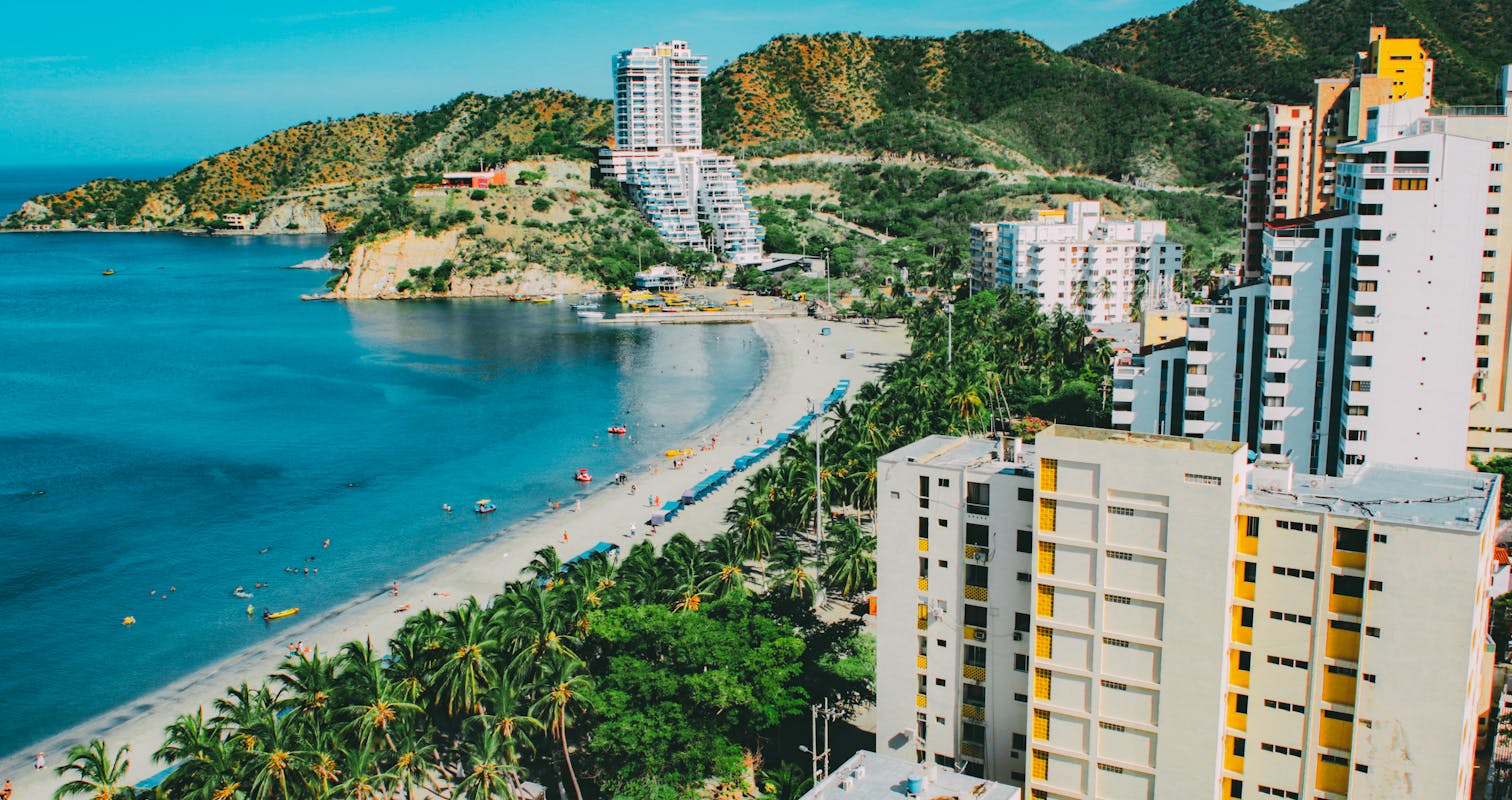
(108, 272)
(288, 612)
(678, 453)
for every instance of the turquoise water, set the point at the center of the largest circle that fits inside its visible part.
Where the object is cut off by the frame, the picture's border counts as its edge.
(190, 410)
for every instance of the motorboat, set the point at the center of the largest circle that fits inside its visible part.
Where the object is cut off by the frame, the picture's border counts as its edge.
(590, 315)
(582, 476)
(288, 612)
(585, 306)
(484, 506)
(617, 430)
(108, 272)
(591, 296)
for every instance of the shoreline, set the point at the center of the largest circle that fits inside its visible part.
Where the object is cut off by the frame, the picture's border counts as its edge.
(801, 366)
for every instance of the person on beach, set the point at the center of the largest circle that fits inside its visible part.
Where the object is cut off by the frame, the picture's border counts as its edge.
(395, 591)
(632, 490)
(579, 506)
(564, 537)
(5, 791)
(632, 530)
(41, 761)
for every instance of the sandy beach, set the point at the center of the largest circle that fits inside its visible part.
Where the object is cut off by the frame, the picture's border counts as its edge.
(803, 367)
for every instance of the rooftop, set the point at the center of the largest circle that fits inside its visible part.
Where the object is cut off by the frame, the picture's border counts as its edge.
(953, 452)
(1144, 439)
(1442, 498)
(869, 776)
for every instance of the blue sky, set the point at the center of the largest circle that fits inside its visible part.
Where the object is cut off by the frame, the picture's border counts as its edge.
(94, 83)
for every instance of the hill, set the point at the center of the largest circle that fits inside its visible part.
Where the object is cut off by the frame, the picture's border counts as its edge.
(334, 167)
(1226, 47)
(988, 96)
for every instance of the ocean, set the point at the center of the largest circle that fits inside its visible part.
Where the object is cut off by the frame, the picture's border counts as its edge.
(161, 427)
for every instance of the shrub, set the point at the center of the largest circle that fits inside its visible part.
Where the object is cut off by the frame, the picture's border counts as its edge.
(478, 194)
(540, 204)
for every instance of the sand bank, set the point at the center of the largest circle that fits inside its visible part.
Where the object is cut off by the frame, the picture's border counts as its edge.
(803, 367)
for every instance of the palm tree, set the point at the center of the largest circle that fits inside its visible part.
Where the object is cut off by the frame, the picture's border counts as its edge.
(464, 674)
(488, 772)
(413, 752)
(99, 774)
(852, 559)
(204, 765)
(726, 554)
(559, 699)
(749, 517)
(789, 570)
(504, 713)
(545, 566)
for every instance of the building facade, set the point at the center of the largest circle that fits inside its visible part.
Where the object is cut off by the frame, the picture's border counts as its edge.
(1157, 617)
(695, 198)
(1291, 158)
(1076, 259)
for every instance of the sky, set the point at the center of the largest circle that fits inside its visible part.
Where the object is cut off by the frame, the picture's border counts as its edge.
(172, 82)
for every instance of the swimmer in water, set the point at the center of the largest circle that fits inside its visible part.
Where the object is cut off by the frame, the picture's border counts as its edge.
(327, 544)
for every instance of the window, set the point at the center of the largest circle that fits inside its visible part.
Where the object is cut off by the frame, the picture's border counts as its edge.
(1282, 705)
(1115, 686)
(976, 616)
(1350, 539)
(1370, 209)
(1287, 616)
(943, 482)
(976, 498)
(1348, 586)
(1020, 742)
(1294, 572)
(974, 656)
(1025, 542)
(1375, 183)
(1294, 525)
(1025, 493)
(1283, 661)
(1409, 184)
(1281, 749)
(1493, 188)
(1021, 622)
(1205, 480)
(923, 527)
(1020, 662)
(923, 491)
(1410, 157)
(976, 535)
(1111, 642)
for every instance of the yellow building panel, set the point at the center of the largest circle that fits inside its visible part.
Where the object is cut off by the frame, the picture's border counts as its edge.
(1237, 677)
(923, 584)
(921, 700)
(1045, 607)
(1041, 683)
(1344, 604)
(1332, 777)
(1335, 734)
(1349, 559)
(1041, 725)
(1243, 634)
(1044, 642)
(922, 662)
(978, 593)
(1343, 645)
(973, 712)
(1231, 762)
(1249, 543)
(1339, 688)
(1047, 470)
(1047, 558)
(1047, 515)
(923, 545)
(1243, 589)
(1041, 768)
(1237, 720)
(974, 673)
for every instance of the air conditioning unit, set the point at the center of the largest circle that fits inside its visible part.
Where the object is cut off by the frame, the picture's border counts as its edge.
(980, 635)
(979, 556)
(1018, 636)
(1015, 754)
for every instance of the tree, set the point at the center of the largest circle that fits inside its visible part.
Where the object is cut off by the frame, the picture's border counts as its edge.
(97, 772)
(560, 698)
(852, 562)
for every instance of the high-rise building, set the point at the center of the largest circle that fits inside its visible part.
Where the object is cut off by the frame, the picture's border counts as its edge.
(1373, 340)
(695, 198)
(1078, 260)
(1140, 616)
(1290, 159)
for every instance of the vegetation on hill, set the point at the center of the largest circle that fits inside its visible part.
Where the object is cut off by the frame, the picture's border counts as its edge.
(994, 95)
(340, 163)
(1229, 48)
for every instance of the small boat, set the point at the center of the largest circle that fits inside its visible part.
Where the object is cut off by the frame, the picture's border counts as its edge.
(543, 299)
(678, 453)
(128, 621)
(582, 476)
(484, 507)
(585, 306)
(590, 315)
(617, 430)
(288, 612)
(108, 272)
(591, 296)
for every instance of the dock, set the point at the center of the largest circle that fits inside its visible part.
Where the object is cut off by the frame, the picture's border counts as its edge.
(684, 317)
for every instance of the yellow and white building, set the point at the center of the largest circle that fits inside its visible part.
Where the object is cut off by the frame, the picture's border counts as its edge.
(1183, 624)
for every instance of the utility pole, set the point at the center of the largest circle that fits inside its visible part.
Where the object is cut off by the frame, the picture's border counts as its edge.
(819, 759)
(950, 333)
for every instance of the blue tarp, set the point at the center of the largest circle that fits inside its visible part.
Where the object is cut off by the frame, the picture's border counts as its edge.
(154, 781)
(602, 547)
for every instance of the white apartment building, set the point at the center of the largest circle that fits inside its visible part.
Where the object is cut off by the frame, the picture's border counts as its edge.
(658, 97)
(953, 585)
(1090, 265)
(1369, 330)
(982, 258)
(682, 189)
(1158, 618)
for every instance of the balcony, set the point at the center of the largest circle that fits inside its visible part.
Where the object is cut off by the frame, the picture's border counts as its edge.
(923, 545)
(921, 701)
(972, 673)
(978, 593)
(969, 711)
(921, 662)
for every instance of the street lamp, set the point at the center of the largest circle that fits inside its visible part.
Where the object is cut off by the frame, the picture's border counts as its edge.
(950, 333)
(826, 252)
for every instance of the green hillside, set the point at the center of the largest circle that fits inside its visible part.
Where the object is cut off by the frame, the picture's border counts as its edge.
(996, 96)
(1225, 47)
(342, 162)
